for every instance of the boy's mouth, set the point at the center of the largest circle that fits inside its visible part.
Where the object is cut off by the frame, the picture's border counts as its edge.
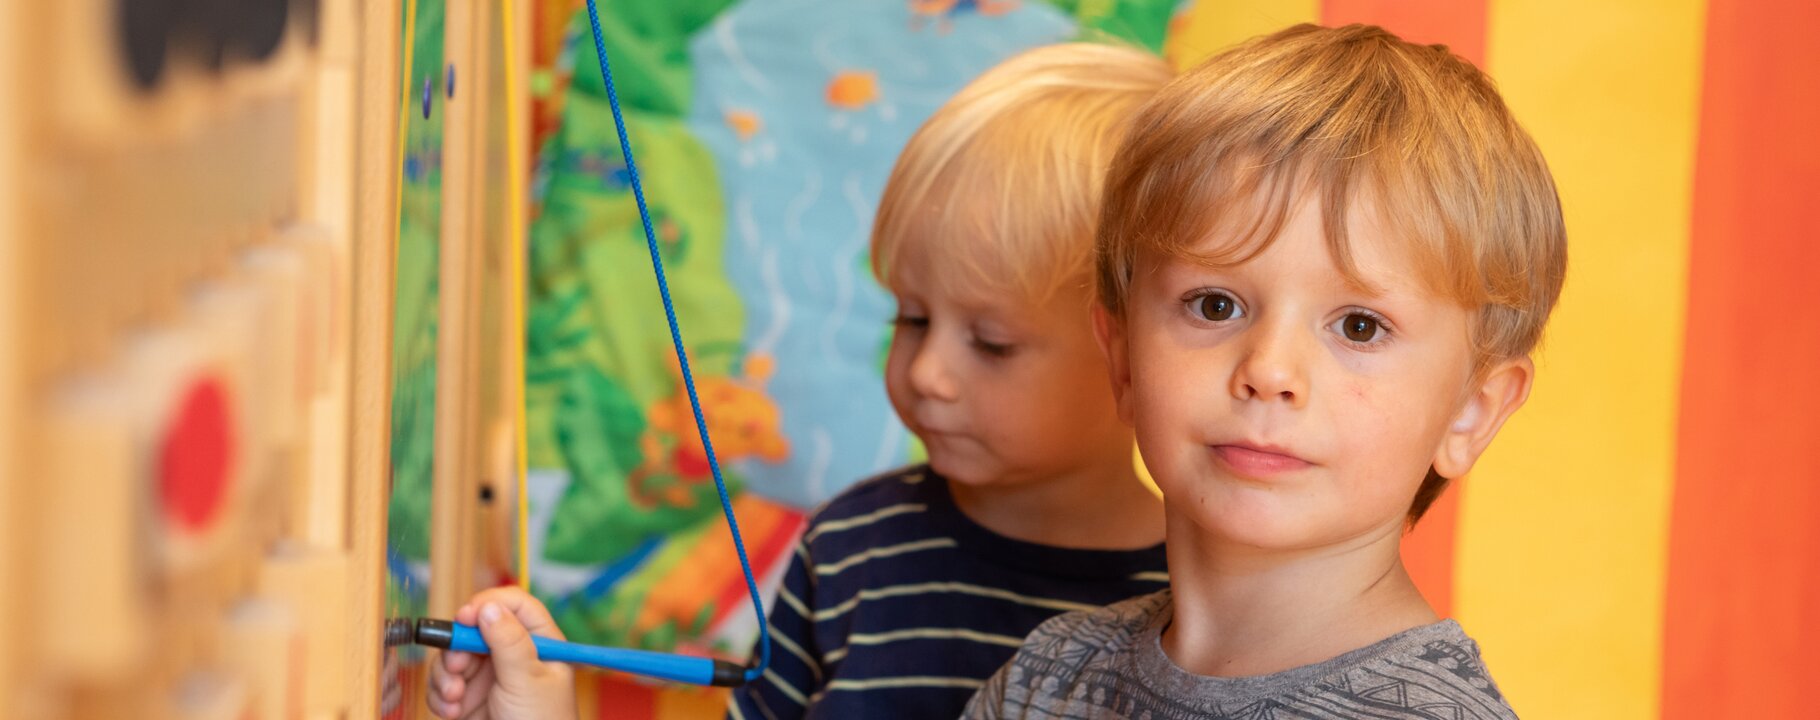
(1257, 460)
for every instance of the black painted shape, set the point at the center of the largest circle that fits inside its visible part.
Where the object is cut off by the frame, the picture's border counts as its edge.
(145, 36)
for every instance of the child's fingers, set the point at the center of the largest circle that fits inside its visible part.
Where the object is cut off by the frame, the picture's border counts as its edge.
(442, 708)
(474, 666)
(468, 614)
(529, 611)
(508, 641)
(439, 676)
(451, 688)
(459, 663)
(480, 687)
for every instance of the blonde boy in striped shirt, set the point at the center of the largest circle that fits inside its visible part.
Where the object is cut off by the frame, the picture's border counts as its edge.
(910, 589)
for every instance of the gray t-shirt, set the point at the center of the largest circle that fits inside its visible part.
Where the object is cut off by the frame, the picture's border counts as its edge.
(1109, 663)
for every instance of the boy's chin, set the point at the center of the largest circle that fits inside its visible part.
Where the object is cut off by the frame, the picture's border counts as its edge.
(1262, 524)
(959, 470)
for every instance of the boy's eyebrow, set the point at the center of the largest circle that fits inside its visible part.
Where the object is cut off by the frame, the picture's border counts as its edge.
(1354, 282)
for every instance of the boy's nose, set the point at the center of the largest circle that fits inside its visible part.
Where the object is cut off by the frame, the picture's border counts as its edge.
(1272, 368)
(930, 375)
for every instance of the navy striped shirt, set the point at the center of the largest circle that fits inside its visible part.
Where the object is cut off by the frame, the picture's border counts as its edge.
(899, 606)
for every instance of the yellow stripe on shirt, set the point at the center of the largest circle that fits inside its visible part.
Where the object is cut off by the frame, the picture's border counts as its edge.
(884, 552)
(834, 526)
(945, 587)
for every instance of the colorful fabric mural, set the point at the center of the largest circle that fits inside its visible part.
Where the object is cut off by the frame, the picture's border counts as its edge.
(764, 130)
(1640, 542)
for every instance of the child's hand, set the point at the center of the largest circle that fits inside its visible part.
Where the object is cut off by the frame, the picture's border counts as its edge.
(511, 684)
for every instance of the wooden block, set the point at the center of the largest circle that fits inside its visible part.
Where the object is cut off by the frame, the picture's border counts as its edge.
(209, 696)
(279, 272)
(187, 442)
(320, 506)
(89, 613)
(261, 639)
(313, 582)
(314, 248)
(232, 313)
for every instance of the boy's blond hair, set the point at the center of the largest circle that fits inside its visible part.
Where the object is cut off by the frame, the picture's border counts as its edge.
(1360, 118)
(1003, 181)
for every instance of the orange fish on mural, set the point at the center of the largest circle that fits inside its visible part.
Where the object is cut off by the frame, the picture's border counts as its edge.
(744, 422)
(945, 10)
(853, 89)
(744, 123)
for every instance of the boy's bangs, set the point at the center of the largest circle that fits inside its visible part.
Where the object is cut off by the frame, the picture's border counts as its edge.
(988, 224)
(1235, 196)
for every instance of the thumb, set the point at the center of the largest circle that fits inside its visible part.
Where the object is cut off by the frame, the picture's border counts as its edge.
(514, 653)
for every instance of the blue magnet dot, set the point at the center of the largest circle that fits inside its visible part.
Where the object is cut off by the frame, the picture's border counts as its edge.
(449, 85)
(426, 98)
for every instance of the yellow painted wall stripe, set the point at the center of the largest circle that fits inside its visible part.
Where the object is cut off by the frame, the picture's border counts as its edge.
(1214, 25)
(1562, 544)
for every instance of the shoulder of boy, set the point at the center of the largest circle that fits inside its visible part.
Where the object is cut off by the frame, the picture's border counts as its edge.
(869, 494)
(1101, 630)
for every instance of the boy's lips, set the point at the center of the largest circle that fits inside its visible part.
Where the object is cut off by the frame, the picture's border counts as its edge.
(1256, 460)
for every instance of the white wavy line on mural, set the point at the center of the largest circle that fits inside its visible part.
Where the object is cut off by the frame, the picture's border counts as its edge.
(843, 266)
(819, 461)
(887, 446)
(793, 213)
(780, 304)
(748, 225)
(824, 55)
(723, 34)
(862, 208)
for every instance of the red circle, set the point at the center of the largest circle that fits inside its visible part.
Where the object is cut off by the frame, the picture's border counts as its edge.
(197, 454)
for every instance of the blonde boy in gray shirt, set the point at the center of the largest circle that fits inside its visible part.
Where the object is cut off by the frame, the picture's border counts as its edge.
(1324, 257)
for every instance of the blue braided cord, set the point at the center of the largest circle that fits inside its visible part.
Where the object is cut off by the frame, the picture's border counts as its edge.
(663, 289)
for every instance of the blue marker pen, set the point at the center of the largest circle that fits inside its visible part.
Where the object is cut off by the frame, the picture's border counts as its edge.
(664, 666)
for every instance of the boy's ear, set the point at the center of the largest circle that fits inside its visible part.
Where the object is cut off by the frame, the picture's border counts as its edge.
(1109, 330)
(1504, 388)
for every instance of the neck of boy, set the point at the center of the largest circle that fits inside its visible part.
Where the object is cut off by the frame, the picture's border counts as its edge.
(1246, 611)
(1095, 507)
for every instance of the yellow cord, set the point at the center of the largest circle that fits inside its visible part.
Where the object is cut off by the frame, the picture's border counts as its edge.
(515, 204)
(404, 127)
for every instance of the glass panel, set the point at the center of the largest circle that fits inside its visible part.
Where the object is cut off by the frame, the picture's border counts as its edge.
(414, 353)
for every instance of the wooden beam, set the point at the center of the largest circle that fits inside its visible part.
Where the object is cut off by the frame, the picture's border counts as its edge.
(375, 253)
(453, 530)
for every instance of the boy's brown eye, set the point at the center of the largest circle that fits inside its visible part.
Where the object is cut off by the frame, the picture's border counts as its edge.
(1216, 307)
(1360, 328)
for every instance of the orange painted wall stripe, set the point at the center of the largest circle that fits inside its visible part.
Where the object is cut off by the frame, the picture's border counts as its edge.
(1428, 551)
(1460, 25)
(1743, 605)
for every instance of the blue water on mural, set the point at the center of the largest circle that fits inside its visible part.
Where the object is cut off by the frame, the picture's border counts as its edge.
(801, 191)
